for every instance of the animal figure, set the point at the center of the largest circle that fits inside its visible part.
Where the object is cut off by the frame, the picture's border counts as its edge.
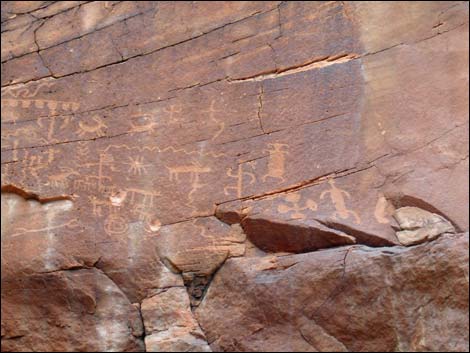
(193, 170)
(92, 129)
(59, 180)
(337, 197)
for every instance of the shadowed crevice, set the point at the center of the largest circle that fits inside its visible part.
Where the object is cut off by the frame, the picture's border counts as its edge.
(293, 237)
(27, 195)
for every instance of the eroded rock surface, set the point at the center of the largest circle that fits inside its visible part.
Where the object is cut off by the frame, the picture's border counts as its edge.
(170, 325)
(75, 310)
(354, 299)
(161, 159)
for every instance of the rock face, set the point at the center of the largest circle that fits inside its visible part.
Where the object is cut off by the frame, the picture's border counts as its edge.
(234, 176)
(353, 299)
(170, 325)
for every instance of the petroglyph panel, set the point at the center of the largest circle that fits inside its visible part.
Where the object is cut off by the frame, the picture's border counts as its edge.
(303, 122)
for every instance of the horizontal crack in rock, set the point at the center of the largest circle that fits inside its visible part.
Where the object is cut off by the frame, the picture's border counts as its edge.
(311, 65)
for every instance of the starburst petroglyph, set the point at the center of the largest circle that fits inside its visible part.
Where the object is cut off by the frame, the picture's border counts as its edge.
(137, 165)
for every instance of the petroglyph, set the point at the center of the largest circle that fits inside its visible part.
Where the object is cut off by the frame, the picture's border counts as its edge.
(142, 123)
(277, 161)
(28, 134)
(195, 186)
(82, 149)
(337, 198)
(116, 224)
(25, 92)
(240, 176)
(91, 183)
(137, 166)
(220, 124)
(380, 212)
(60, 180)
(143, 203)
(51, 105)
(169, 149)
(147, 197)
(72, 224)
(140, 203)
(26, 214)
(97, 181)
(97, 128)
(33, 164)
(150, 222)
(193, 170)
(295, 206)
(172, 110)
(48, 123)
(98, 205)
(15, 151)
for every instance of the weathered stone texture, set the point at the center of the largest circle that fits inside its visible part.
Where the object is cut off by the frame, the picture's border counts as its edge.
(353, 299)
(196, 176)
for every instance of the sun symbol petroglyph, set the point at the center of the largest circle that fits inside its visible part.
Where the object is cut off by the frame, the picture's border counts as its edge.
(295, 206)
(137, 165)
(337, 197)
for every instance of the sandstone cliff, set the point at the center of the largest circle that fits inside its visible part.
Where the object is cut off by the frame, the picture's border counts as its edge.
(234, 176)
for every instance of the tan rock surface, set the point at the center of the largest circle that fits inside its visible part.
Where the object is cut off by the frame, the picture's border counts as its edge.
(170, 325)
(419, 225)
(147, 146)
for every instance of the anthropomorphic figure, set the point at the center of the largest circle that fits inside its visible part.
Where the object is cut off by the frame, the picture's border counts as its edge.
(277, 161)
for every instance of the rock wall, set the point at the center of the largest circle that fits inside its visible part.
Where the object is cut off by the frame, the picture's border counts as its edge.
(234, 176)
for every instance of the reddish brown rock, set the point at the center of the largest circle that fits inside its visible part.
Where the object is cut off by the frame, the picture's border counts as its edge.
(151, 144)
(81, 310)
(350, 299)
(197, 249)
